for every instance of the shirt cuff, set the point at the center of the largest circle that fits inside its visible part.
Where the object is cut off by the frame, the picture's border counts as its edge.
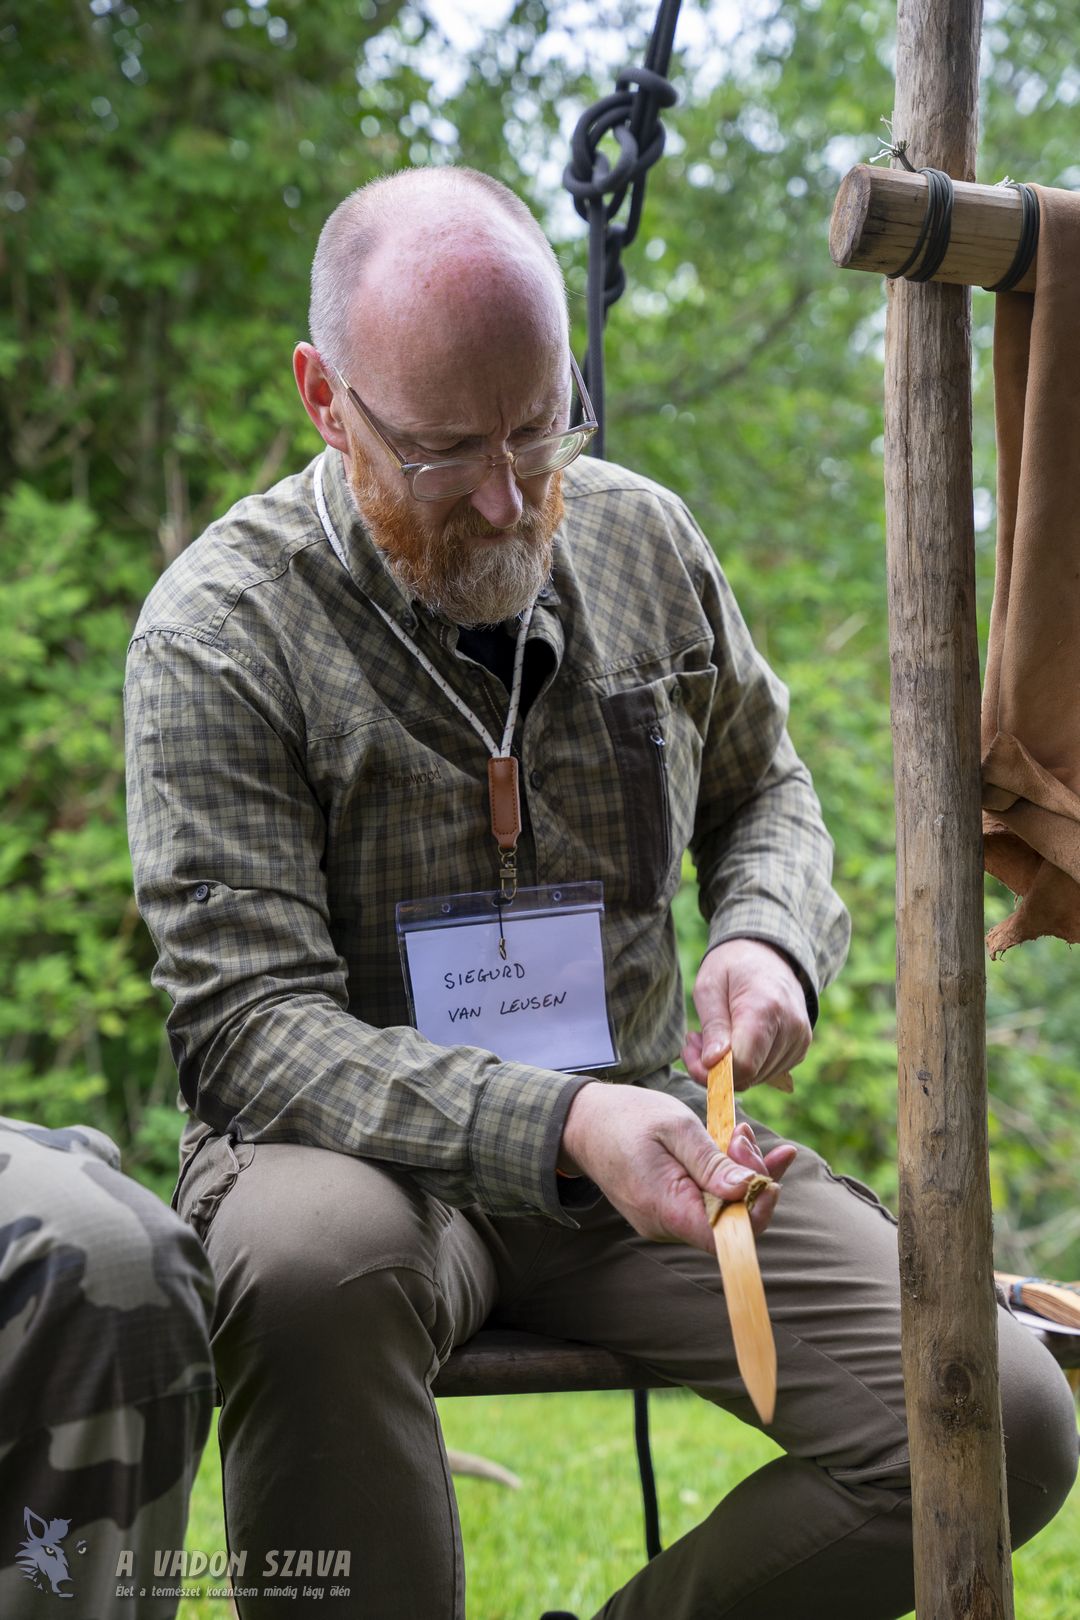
(578, 1192)
(571, 1192)
(514, 1141)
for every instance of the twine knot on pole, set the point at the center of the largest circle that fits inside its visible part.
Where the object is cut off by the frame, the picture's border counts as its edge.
(928, 254)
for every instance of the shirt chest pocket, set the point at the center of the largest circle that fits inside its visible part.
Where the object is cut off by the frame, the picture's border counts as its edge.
(657, 751)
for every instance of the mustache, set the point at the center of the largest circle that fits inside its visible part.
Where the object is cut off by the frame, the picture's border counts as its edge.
(473, 525)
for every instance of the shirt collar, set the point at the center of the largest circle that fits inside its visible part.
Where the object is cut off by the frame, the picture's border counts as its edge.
(357, 551)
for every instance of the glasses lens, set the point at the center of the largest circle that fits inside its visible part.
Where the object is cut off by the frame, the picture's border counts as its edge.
(445, 478)
(549, 455)
(441, 480)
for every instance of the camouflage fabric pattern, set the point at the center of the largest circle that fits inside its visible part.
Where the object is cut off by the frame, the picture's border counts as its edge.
(106, 1383)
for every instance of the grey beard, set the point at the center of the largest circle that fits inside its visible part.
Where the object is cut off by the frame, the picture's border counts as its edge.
(493, 583)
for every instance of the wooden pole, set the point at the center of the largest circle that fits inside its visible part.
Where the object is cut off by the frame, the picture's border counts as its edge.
(878, 213)
(949, 1321)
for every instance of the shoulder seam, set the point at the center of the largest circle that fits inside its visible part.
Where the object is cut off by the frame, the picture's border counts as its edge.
(663, 497)
(237, 588)
(241, 587)
(260, 672)
(697, 564)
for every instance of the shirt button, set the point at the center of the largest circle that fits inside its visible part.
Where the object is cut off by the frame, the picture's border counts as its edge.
(536, 779)
(202, 892)
(409, 622)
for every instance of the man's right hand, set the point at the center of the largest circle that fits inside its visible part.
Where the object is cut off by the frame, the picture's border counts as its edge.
(653, 1158)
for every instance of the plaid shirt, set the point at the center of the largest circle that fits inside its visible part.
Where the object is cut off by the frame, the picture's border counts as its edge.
(293, 773)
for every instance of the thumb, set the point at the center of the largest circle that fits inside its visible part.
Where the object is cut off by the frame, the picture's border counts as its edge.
(715, 1038)
(712, 1169)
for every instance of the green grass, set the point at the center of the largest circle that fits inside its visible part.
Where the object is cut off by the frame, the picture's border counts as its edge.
(573, 1533)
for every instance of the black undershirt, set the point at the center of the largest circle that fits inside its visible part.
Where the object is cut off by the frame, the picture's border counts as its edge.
(492, 646)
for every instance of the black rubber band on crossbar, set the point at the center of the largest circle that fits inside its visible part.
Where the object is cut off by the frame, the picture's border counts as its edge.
(932, 243)
(1028, 245)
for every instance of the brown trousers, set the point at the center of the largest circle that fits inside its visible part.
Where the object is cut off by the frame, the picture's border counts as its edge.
(342, 1288)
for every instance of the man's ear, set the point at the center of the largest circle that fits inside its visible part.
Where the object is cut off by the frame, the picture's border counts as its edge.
(312, 379)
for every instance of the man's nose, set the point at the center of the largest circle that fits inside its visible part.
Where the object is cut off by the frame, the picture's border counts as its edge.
(498, 498)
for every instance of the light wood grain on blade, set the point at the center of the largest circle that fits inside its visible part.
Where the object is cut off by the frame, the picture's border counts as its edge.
(755, 1348)
(733, 1235)
(721, 1105)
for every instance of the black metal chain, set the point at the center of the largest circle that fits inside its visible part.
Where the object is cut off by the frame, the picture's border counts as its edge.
(632, 117)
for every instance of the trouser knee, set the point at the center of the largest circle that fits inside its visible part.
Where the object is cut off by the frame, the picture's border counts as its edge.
(357, 1324)
(106, 1386)
(1039, 1419)
(1039, 1423)
(106, 1295)
(344, 1282)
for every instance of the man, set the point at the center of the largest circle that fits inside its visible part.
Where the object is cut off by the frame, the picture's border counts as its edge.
(106, 1386)
(315, 691)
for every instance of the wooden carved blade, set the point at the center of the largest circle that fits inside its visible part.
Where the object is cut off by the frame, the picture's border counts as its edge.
(755, 1348)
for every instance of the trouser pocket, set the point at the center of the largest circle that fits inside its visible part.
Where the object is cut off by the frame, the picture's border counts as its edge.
(207, 1177)
(863, 1193)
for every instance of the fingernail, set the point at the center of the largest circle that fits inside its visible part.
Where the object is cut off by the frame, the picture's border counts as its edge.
(738, 1177)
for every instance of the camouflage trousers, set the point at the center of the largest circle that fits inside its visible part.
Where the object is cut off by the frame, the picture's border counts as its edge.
(106, 1385)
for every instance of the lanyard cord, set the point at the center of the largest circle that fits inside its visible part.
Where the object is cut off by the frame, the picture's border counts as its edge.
(496, 750)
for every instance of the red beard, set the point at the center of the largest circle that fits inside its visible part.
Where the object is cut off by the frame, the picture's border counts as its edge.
(467, 583)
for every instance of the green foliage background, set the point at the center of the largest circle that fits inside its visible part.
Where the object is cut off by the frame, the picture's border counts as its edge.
(164, 169)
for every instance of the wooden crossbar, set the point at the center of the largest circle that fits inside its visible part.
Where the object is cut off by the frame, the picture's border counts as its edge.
(499, 1362)
(878, 214)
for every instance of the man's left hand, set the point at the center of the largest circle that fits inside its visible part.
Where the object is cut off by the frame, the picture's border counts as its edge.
(747, 997)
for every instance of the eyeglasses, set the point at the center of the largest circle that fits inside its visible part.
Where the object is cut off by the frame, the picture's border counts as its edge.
(460, 475)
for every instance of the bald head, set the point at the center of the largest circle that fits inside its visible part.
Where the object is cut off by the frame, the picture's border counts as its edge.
(432, 253)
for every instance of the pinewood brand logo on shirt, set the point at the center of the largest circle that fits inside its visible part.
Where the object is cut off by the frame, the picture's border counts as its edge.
(397, 780)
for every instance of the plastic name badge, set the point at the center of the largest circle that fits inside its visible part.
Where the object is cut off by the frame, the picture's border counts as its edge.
(523, 978)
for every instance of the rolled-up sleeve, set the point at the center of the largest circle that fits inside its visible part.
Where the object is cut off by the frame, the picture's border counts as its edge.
(228, 843)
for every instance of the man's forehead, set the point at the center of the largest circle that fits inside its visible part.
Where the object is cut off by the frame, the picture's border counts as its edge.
(460, 423)
(458, 324)
(468, 394)
(489, 259)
